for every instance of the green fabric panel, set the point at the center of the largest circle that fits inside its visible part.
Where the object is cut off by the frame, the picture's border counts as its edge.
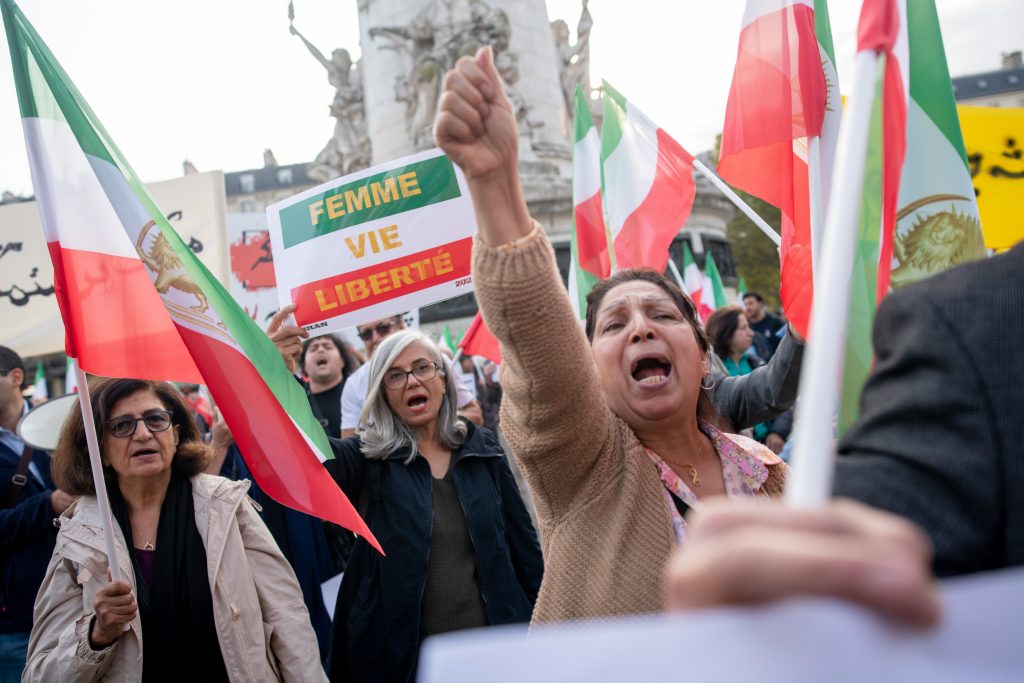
(583, 121)
(930, 85)
(823, 28)
(858, 355)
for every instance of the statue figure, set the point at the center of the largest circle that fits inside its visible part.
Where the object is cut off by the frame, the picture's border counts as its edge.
(573, 60)
(348, 149)
(432, 42)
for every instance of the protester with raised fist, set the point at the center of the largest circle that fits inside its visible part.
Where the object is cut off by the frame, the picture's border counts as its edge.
(614, 462)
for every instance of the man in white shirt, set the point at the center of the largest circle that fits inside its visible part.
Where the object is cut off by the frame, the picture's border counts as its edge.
(353, 396)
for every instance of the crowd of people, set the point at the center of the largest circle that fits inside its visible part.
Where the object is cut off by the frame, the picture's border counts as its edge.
(649, 443)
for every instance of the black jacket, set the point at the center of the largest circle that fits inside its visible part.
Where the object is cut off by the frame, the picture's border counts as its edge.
(941, 427)
(376, 632)
(27, 536)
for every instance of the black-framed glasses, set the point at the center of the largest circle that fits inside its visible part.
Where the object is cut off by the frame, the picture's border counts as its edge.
(4, 373)
(124, 426)
(423, 371)
(382, 330)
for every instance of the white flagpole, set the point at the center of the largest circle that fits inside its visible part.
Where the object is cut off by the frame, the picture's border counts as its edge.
(97, 471)
(810, 480)
(814, 190)
(677, 276)
(740, 204)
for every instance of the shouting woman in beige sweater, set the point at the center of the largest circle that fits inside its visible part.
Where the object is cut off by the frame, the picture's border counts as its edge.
(614, 433)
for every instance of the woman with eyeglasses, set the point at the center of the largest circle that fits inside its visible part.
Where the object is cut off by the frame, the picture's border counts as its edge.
(438, 494)
(205, 594)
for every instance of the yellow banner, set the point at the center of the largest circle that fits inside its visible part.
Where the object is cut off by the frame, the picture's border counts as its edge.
(994, 137)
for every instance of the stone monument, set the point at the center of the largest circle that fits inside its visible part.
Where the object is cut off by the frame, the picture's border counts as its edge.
(384, 104)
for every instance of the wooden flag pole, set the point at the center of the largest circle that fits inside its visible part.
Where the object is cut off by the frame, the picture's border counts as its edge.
(810, 479)
(740, 204)
(97, 471)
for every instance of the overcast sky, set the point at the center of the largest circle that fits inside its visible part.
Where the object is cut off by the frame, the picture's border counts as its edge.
(218, 81)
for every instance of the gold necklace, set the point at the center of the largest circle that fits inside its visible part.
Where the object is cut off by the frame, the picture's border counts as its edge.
(694, 475)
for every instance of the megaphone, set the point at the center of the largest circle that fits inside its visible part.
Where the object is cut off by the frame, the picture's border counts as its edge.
(40, 427)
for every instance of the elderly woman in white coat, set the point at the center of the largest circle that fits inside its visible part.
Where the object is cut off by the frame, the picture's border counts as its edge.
(205, 593)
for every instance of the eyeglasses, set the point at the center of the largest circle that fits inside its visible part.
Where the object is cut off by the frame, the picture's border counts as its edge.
(124, 426)
(382, 330)
(423, 371)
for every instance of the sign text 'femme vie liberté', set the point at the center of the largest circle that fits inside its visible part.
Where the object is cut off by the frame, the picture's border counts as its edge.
(371, 244)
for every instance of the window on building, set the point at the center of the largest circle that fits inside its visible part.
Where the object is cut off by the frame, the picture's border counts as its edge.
(247, 181)
(284, 176)
(248, 207)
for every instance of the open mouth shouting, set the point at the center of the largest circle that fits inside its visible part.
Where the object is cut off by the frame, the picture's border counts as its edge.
(417, 402)
(651, 370)
(145, 453)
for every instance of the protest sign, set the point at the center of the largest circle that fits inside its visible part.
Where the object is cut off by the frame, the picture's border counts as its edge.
(374, 243)
(824, 640)
(194, 204)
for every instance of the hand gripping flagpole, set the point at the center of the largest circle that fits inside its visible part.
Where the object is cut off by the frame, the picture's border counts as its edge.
(97, 471)
(810, 480)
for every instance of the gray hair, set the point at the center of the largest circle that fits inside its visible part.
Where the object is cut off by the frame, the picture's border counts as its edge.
(383, 433)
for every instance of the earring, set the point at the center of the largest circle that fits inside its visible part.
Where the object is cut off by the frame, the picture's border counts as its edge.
(707, 383)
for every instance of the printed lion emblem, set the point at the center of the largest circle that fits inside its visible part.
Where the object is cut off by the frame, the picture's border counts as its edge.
(162, 260)
(935, 242)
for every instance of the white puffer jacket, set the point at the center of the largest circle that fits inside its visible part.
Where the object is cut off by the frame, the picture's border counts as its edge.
(261, 621)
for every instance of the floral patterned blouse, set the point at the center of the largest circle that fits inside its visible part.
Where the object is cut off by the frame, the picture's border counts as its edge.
(744, 469)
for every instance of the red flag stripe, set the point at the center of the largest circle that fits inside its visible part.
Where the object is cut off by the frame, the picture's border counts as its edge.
(648, 232)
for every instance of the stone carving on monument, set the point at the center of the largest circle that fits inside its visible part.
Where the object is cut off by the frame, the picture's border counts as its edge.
(432, 42)
(349, 148)
(573, 60)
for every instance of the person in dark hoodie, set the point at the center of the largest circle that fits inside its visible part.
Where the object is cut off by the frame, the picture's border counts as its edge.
(28, 503)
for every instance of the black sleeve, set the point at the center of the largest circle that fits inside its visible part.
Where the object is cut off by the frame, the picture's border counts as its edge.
(925, 445)
(347, 466)
(765, 393)
(523, 543)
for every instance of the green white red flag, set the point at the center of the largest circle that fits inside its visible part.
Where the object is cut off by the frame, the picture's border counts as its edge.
(70, 380)
(39, 389)
(693, 279)
(776, 103)
(136, 301)
(591, 258)
(925, 192)
(712, 291)
(646, 184)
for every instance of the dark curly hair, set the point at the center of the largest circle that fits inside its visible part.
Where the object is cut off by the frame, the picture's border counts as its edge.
(70, 464)
(348, 358)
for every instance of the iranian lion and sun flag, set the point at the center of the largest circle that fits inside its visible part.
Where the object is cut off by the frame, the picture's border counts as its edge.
(135, 300)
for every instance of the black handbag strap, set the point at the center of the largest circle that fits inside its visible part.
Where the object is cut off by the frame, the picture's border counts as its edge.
(20, 477)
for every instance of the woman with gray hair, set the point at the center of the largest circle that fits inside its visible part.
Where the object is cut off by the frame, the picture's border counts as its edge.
(438, 494)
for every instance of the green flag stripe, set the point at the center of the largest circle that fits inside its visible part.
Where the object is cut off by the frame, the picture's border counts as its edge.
(583, 121)
(863, 299)
(59, 99)
(930, 85)
(823, 28)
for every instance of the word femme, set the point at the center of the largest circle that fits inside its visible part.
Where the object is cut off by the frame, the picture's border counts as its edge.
(364, 197)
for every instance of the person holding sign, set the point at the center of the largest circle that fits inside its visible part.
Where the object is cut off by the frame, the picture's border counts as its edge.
(614, 463)
(206, 593)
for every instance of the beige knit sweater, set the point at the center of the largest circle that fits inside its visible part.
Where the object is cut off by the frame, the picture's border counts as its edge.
(604, 527)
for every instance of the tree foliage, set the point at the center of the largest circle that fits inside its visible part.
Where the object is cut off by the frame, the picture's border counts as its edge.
(757, 259)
